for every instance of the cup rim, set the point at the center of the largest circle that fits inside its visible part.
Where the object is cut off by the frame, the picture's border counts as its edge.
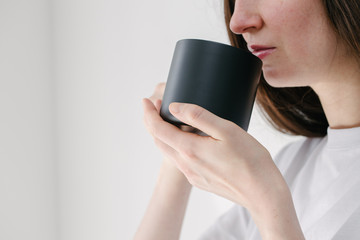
(220, 45)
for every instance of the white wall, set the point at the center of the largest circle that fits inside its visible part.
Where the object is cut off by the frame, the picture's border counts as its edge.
(27, 154)
(106, 56)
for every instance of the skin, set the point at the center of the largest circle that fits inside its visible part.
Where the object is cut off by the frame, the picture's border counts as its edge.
(305, 43)
(308, 53)
(231, 163)
(164, 215)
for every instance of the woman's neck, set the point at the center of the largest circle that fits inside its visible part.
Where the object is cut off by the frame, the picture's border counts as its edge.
(340, 98)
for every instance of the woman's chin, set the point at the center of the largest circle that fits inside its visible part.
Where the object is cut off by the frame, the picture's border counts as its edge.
(282, 80)
(275, 81)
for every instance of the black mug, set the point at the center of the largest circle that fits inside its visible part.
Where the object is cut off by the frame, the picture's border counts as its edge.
(218, 77)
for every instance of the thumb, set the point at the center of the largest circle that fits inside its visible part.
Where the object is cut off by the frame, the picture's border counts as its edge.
(200, 118)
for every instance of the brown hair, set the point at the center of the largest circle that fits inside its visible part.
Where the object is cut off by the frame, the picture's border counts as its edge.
(297, 110)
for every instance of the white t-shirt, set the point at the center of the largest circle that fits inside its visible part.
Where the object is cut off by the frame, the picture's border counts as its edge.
(323, 175)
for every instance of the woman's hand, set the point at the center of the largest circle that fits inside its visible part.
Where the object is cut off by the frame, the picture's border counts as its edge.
(165, 213)
(227, 162)
(156, 99)
(157, 95)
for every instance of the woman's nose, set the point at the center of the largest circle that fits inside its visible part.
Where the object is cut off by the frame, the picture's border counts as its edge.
(246, 17)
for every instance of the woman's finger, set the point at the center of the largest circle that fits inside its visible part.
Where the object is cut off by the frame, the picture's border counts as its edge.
(166, 149)
(201, 119)
(158, 92)
(172, 155)
(182, 142)
(158, 104)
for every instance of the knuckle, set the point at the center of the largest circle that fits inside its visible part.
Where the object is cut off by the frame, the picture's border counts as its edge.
(196, 114)
(190, 153)
(230, 130)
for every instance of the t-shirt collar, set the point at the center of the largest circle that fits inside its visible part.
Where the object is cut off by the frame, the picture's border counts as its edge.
(343, 138)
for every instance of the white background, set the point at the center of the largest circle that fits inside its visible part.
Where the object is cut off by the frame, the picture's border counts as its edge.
(75, 160)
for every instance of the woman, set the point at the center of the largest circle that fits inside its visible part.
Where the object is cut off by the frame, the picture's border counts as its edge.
(310, 51)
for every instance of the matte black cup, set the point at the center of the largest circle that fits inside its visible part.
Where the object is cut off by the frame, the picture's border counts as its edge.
(218, 77)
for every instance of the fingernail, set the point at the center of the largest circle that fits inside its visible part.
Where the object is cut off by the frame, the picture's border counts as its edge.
(175, 107)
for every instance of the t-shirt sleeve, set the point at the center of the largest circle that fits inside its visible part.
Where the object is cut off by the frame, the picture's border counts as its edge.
(232, 225)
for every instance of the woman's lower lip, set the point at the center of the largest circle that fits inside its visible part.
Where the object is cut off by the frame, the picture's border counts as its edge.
(263, 53)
